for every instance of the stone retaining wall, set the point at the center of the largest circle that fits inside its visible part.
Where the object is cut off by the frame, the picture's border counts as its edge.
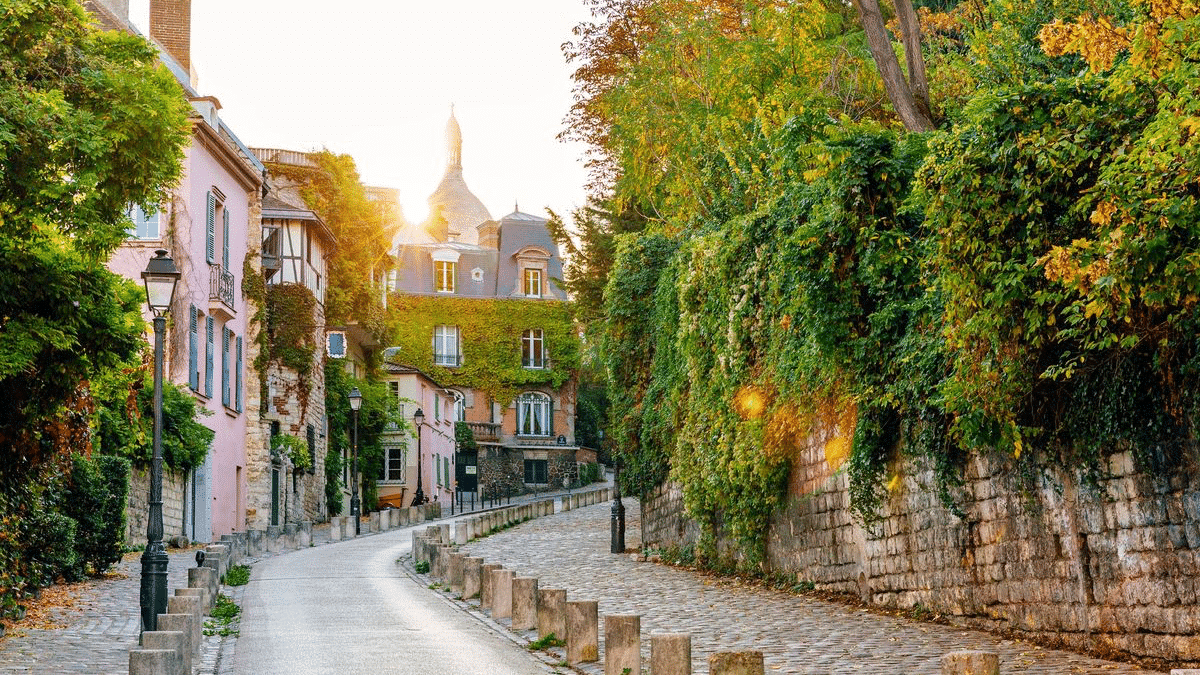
(1116, 568)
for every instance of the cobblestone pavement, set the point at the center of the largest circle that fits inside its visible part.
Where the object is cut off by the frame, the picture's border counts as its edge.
(95, 634)
(796, 634)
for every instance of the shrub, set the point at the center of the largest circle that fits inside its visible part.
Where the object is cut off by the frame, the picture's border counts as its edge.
(50, 546)
(95, 499)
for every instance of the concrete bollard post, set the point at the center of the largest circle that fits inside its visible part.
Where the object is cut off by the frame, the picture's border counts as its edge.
(971, 662)
(736, 663)
(524, 603)
(181, 623)
(173, 640)
(254, 542)
(671, 654)
(471, 569)
(444, 531)
(153, 662)
(291, 536)
(455, 572)
(460, 533)
(305, 534)
(502, 598)
(271, 541)
(200, 594)
(205, 578)
(189, 607)
(622, 644)
(583, 631)
(437, 562)
(552, 613)
(335, 528)
(485, 584)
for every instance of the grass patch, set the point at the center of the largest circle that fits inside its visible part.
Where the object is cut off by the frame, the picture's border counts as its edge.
(545, 643)
(224, 618)
(238, 575)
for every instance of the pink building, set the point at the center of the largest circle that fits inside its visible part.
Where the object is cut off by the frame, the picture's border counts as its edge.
(415, 390)
(211, 228)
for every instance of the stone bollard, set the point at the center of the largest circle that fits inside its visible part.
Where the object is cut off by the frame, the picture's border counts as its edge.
(444, 531)
(502, 593)
(153, 662)
(200, 594)
(736, 663)
(291, 536)
(583, 631)
(205, 578)
(305, 534)
(181, 604)
(471, 570)
(376, 522)
(173, 640)
(622, 644)
(460, 533)
(254, 542)
(671, 654)
(485, 584)
(437, 562)
(335, 528)
(552, 613)
(969, 662)
(524, 603)
(272, 542)
(455, 572)
(181, 623)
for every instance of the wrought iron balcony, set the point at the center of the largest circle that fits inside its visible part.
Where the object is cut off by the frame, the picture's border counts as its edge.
(220, 285)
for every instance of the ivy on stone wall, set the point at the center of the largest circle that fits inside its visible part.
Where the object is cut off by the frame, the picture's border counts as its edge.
(490, 338)
(288, 338)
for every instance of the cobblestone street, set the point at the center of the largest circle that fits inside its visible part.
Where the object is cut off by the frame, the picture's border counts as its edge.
(93, 635)
(796, 634)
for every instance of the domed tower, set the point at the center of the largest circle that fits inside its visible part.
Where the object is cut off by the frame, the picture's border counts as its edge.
(455, 212)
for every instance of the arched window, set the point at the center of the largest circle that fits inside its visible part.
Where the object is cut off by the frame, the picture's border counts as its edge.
(460, 406)
(533, 414)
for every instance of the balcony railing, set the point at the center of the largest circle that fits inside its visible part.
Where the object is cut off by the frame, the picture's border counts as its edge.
(485, 431)
(220, 285)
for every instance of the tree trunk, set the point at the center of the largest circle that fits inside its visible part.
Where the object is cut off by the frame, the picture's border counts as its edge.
(889, 68)
(910, 35)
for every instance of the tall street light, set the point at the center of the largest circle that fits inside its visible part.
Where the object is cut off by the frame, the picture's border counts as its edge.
(355, 404)
(418, 420)
(160, 277)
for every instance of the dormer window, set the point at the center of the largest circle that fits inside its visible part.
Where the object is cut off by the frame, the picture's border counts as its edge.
(445, 270)
(443, 276)
(533, 282)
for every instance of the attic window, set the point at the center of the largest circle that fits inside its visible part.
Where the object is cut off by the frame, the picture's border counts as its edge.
(477, 275)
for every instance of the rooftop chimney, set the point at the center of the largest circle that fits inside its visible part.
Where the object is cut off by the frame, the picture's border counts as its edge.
(171, 27)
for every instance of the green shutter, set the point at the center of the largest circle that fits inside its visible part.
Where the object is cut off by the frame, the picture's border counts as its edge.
(210, 226)
(193, 352)
(225, 241)
(237, 375)
(225, 388)
(208, 356)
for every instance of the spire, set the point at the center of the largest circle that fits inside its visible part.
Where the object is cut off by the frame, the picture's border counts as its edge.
(453, 142)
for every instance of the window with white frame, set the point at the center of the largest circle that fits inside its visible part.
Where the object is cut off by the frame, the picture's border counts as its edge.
(533, 414)
(460, 406)
(443, 275)
(533, 350)
(145, 225)
(533, 282)
(445, 346)
(393, 468)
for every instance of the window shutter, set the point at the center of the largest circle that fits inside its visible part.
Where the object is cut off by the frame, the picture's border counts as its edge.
(458, 355)
(225, 367)
(208, 356)
(237, 375)
(225, 241)
(193, 352)
(550, 415)
(210, 225)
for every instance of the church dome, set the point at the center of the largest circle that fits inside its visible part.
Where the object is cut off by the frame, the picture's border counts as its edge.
(454, 211)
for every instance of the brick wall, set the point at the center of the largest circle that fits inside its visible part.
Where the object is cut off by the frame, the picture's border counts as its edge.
(1117, 568)
(171, 27)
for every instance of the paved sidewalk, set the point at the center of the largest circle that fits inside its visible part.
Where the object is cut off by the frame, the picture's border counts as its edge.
(95, 634)
(795, 633)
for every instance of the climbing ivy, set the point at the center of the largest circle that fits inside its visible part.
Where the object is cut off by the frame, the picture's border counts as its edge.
(490, 338)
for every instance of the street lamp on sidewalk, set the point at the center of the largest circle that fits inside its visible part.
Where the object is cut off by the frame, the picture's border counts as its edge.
(160, 277)
(419, 496)
(355, 505)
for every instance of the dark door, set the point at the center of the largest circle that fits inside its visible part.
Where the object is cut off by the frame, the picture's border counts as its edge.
(466, 471)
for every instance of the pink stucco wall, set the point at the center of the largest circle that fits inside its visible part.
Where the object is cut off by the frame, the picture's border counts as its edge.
(182, 226)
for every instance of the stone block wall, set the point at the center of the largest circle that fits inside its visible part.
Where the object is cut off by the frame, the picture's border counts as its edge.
(1113, 568)
(137, 506)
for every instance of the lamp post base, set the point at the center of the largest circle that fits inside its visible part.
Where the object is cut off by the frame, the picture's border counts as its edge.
(154, 585)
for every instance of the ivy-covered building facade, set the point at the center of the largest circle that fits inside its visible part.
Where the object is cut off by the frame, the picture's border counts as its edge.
(479, 311)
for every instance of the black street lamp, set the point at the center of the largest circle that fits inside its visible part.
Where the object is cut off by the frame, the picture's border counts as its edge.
(355, 505)
(160, 277)
(419, 496)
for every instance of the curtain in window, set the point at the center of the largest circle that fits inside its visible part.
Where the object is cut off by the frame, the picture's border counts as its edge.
(533, 414)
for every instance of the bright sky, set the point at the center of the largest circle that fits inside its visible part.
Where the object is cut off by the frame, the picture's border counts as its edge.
(375, 79)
